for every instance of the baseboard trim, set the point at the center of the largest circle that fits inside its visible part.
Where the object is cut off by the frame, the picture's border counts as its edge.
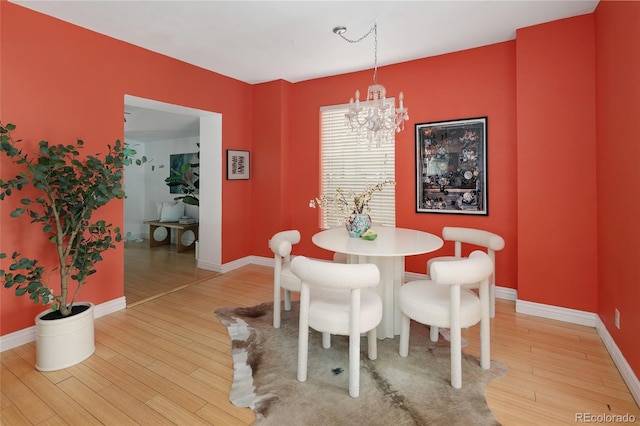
(238, 263)
(505, 293)
(209, 266)
(262, 261)
(110, 307)
(557, 313)
(17, 338)
(619, 360)
(28, 335)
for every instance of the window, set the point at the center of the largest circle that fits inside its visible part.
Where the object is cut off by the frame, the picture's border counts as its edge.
(349, 163)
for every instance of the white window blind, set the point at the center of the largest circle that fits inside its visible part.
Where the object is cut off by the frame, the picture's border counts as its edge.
(350, 163)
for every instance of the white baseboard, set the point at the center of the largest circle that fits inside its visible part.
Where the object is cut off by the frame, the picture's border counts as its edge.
(110, 307)
(557, 313)
(28, 335)
(505, 293)
(17, 338)
(238, 263)
(209, 266)
(262, 261)
(618, 359)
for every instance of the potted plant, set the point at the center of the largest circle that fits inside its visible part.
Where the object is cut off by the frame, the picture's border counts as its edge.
(354, 207)
(62, 190)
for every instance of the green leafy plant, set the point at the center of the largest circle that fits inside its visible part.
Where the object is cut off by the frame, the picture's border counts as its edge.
(65, 190)
(187, 179)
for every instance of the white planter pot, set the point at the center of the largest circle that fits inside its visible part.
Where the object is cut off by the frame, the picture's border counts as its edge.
(61, 343)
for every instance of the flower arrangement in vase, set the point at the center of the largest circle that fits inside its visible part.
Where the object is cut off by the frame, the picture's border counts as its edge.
(354, 206)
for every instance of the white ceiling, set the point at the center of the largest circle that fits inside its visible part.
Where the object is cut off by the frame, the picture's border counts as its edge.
(259, 41)
(151, 125)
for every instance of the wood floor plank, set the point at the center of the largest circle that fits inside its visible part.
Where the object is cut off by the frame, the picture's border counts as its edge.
(11, 415)
(163, 386)
(123, 379)
(220, 382)
(231, 416)
(101, 409)
(12, 360)
(4, 400)
(188, 383)
(54, 397)
(23, 398)
(175, 412)
(133, 407)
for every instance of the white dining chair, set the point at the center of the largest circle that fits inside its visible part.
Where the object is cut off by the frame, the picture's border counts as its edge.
(489, 241)
(281, 245)
(337, 298)
(442, 302)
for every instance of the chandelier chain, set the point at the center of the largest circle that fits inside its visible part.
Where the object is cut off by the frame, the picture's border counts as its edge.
(374, 30)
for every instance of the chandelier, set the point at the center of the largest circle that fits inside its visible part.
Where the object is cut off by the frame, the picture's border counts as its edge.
(376, 117)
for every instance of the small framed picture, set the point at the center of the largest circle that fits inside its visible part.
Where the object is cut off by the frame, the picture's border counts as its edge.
(237, 164)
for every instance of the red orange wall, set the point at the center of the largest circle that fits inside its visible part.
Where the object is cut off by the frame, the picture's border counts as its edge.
(617, 29)
(270, 144)
(557, 242)
(471, 83)
(61, 82)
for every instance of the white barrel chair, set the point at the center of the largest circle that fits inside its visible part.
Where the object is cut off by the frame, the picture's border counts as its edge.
(442, 302)
(489, 241)
(281, 245)
(338, 299)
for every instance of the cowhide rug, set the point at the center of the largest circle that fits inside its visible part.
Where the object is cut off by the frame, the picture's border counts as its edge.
(393, 390)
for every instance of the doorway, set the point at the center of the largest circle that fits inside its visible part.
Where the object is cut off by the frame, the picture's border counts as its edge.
(208, 127)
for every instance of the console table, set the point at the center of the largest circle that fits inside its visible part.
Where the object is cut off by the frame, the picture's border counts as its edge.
(180, 247)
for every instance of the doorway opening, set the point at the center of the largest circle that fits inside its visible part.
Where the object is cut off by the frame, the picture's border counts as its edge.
(147, 122)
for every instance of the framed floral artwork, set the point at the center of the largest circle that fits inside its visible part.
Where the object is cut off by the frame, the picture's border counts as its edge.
(237, 164)
(451, 167)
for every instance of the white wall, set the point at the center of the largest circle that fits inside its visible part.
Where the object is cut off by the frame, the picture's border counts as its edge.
(145, 186)
(134, 187)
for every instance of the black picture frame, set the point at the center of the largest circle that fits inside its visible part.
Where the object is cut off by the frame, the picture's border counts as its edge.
(238, 166)
(451, 167)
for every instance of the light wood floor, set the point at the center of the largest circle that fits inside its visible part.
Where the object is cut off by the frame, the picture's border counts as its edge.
(153, 272)
(167, 361)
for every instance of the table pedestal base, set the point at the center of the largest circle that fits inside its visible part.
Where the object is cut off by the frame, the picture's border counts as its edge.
(391, 278)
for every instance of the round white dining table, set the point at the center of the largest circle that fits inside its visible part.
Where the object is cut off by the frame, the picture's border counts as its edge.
(388, 252)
